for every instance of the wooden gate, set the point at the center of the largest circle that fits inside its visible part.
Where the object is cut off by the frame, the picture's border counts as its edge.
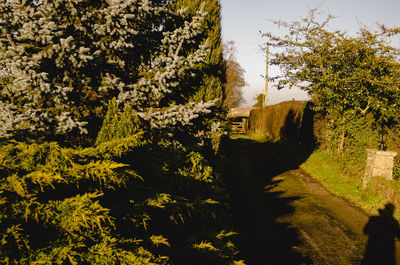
(238, 118)
(239, 126)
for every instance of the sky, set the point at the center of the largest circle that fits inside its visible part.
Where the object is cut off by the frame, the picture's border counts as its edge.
(243, 20)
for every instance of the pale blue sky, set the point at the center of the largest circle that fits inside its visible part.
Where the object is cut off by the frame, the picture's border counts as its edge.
(242, 20)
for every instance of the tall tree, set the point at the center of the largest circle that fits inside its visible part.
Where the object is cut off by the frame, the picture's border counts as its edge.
(344, 75)
(234, 76)
(210, 77)
(212, 85)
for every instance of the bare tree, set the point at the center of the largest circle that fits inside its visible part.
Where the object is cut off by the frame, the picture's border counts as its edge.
(234, 76)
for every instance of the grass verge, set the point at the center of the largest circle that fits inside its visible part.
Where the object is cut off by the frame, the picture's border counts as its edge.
(340, 176)
(329, 172)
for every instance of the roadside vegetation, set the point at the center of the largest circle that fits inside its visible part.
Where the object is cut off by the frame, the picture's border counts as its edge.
(353, 81)
(337, 176)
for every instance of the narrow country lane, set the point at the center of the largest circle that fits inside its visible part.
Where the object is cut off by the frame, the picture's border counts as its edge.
(286, 217)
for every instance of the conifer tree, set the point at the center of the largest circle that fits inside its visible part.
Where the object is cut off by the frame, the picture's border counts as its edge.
(211, 77)
(213, 80)
(67, 59)
(124, 199)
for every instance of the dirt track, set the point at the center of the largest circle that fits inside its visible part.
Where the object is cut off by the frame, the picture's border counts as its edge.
(286, 217)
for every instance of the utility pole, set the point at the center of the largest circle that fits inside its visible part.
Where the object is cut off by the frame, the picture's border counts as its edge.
(266, 80)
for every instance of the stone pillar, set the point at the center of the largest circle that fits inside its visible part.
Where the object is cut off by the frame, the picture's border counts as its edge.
(379, 163)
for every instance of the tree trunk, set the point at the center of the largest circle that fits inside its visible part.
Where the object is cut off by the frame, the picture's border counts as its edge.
(342, 136)
(341, 142)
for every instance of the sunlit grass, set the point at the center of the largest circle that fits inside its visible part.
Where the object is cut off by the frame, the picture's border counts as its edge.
(251, 136)
(328, 171)
(338, 175)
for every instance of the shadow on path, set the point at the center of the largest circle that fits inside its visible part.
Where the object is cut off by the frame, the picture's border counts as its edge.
(382, 230)
(256, 209)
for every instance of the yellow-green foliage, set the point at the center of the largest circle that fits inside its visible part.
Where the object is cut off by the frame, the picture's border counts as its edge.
(116, 126)
(218, 246)
(197, 168)
(50, 199)
(126, 200)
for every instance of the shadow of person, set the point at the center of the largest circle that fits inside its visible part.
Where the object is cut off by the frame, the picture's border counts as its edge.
(382, 231)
